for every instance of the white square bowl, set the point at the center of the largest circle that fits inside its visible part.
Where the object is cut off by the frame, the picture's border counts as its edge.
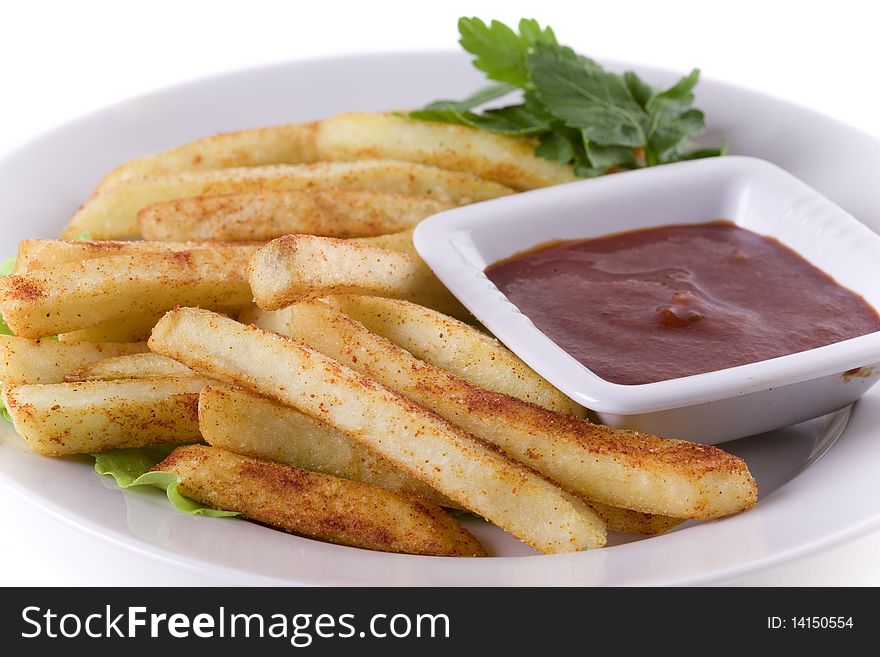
(712, 407)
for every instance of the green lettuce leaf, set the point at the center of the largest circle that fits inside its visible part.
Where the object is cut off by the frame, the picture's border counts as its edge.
(6, 268)
(133, 467)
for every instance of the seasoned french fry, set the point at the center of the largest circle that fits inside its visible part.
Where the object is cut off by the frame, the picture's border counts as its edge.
(281, 144)
(130, 328)
(93, 416)
(454, 346)
(131, 366)
(628, 521)
(617, 519)
(508, 160)
(318, 505)
(268, 214)
(249, 424)
(50, 361)
(416, 440)
(401, 241)
(44, 254)
(77, 295)
(616, 467)
(112, 213)
(296, 267)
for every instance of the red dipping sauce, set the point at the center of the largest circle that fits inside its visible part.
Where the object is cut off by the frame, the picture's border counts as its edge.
(662, 303)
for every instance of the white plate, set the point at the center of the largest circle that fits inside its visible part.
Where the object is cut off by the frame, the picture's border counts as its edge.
(806, 502)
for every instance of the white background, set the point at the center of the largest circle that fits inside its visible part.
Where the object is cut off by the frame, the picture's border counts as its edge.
(62, 59)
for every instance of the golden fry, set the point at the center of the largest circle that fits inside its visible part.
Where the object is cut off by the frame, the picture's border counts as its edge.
(93, 416)
(112, 213)
(628, 521)
(296, 267)
(51, 361)
(281, 144)
(471, 473)
(45, 254)
(505, 159)
(318, 505)
(616, 467)
(249, 424)
(130, 328)
(265, 215)
(401, 241)
(454, 346)
(131, 366)
(78, 295)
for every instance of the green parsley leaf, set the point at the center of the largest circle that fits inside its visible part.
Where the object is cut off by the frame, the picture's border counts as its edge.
(499, 51)
(587, 97)
(510, 120)
(481, 97)
(452, 111)
(532, 32)
(662, 147)
(610, 157)
(594, 120)
(640, 90)
(556, 146)
(707, 152)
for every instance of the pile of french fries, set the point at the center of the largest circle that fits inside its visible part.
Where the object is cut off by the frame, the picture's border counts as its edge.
(255, 297)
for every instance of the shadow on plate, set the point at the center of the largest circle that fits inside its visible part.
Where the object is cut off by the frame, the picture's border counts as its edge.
(776, 457)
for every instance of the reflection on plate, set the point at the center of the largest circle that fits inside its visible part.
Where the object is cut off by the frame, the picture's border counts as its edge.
(806, 501)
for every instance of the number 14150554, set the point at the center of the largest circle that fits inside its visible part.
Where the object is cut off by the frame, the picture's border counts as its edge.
(809, 623)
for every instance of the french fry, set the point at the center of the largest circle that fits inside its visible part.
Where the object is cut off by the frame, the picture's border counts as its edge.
(77, 295)
(50, 361)
(392, 317)
(112, 213)
(296, 267)
(628, 521)
(318, 505)
(454, 346)
(268, 214)
(58, 419)
(282, 144)
(615, 467)
(401, 241)
(505, 159)
(249, 424)
(131, 366)
(130, 328)
(44, 254)
(468, 471)
(245, 423)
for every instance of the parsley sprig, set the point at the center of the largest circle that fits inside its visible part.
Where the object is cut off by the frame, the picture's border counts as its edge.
(582, 115)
